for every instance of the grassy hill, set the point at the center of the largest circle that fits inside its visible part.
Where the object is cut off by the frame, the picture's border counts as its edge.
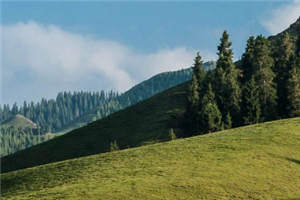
(144, 90)
(253, 162)
(142, 123)
(20, 122)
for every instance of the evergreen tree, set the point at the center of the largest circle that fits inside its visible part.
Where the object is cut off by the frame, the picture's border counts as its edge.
(172, 134)
(211, 118)
(227, 88)
(293, 88)
(282, 56)
(227, 122)
(192, 112)
(264, 78)
(247, 60)
(114, 146)
(250, 103)
(199, 71)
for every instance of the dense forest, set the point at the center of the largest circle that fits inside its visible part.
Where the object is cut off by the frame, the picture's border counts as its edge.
(13, 139)
(263, 86)
(71, 110)
(53, 115)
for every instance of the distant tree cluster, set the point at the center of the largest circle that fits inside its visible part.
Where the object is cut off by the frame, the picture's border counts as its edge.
(13, 139)
(263, 86)
(53, 115)
(83, 107)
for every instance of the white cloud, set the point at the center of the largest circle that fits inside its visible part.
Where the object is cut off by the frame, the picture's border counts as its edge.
(281, 18)
(41, 60)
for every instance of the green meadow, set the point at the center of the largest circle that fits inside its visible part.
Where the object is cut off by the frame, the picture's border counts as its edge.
(254, 162)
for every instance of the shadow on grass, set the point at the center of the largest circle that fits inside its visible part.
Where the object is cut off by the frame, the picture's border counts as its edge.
(293, 160)
(286, 158)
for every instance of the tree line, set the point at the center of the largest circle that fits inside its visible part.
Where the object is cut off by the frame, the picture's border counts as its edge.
(52, 115)
(68, 109)
(55, 114)
(264, 85)
(14, 139)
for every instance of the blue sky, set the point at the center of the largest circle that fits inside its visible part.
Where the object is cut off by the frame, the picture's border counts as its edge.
(149, 26)
(50, 46)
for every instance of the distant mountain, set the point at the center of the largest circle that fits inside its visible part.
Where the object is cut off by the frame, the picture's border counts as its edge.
(19, 122)
(161, 82)
(139, 92)
(293, 31)
(147, 121)
(59, 116)
(19, 133)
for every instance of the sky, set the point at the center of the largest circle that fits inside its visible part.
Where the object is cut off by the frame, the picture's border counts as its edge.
(48, 47)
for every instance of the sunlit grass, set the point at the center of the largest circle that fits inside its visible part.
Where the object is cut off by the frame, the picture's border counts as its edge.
(254, 162)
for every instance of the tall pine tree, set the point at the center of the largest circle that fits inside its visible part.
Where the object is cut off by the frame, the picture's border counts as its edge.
(192, 115)
(247, 60)
(293, 84)
(293, 88)
(250, 103)
(264, 78)
(210, 116)
(227, 87)
(282, 56)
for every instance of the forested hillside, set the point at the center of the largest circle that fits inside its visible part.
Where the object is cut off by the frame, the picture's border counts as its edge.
(18, 133)
(146, 122)
(263, 86)
(73, 110)
(54, 114)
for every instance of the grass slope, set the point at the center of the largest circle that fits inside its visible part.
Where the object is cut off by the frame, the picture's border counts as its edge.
(144, 122)
(145, 90)
(254, 162)
(19, 121)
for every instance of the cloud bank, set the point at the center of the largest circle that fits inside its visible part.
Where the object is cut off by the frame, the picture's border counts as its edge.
(41, 60)
(282, 17)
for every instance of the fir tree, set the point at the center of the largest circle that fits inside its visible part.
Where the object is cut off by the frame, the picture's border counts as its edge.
(247, 60)
(211, 118)
(282, 56)
(192, 113)
(199, 71)
(227, 88)
(250, 103)
(264, 78)
(172, 134)
(114, 146)
(227, 122)
(293, 88)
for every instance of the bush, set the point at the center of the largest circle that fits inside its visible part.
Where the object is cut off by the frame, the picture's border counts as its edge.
(172, 134)
(114, 146)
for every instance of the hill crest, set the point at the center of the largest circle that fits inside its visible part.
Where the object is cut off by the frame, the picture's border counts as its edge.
(19, 121)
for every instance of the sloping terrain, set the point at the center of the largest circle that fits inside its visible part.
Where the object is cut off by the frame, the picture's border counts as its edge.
(144, 90)
(161, 82)
(142, 123)
(20, 122)
(253, 162)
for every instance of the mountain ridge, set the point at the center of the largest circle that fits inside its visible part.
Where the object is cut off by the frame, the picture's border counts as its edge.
(145, 122)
